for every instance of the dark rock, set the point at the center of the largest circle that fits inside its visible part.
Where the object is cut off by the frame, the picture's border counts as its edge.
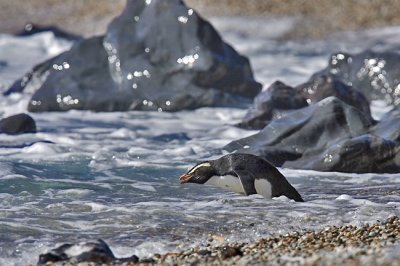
(157, 56)
(322, 86)
(181, 137)
(18, 124)
(228, 252)
(204, 252)
(32, 80)
(3, 64)
(271, 104)
(78, 79)
(375, 74)
(21, 144)
(131, 259)
(280, 99)
(362, 154)
(97, 252)
(388, 126)
(31, 29)
(147, 261)
(306, 135)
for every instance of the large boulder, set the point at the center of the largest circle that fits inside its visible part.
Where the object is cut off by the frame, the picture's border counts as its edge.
(280, 99)
(304, 138)
(17, 124)
(157, 55)
(362, 154)
(322, 86)
(388, 126)
(374, 73)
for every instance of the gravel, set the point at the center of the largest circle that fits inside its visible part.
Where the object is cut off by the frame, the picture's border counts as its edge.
(376, 244)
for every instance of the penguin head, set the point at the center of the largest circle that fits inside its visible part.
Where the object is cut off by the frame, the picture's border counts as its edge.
(199, 174)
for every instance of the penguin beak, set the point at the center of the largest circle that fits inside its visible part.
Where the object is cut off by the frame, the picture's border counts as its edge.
(185, 178)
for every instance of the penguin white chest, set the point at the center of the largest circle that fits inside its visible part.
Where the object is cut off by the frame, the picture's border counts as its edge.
(263, 188)
(228, 182)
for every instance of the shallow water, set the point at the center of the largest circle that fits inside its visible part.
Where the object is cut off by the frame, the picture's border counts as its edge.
(114, 175)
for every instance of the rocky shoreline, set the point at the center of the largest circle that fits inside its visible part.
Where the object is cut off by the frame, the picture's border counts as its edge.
(370, 244)
(331, 246)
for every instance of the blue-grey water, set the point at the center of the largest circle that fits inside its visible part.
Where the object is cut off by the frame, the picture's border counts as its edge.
(114, 176)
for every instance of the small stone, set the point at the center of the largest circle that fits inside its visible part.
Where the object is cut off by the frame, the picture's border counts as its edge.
(228, 252)
(204, 252)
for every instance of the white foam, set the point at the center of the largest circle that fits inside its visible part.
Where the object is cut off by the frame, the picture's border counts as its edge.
(144, 186)
(97, 207)
(113, 180)
(40, 148)
(123, 133)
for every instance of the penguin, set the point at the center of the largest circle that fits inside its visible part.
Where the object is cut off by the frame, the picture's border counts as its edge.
(242, 173)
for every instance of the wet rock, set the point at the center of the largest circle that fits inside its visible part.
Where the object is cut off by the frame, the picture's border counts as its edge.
(77, 79)
(374, 73)
(18, 124)
(306, 138)
(180, 137)
(97, 252)
(388, 126)
(204, 252)
(363, 154)
(21, 143)
(3, 64)
(31, 28)
(158, 55)
(322, 86)
(280, 99)
(228, 252)
(271, 104)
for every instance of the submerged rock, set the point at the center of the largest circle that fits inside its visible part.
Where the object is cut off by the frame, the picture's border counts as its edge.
(97, 252)
(375, 74)
(17, 124)
(158, 55)
(325, 136)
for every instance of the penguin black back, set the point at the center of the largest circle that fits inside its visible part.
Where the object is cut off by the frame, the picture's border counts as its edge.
(256, 175)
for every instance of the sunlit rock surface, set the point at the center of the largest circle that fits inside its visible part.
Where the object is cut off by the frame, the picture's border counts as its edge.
(327, 136)
(17, 124)
(86, 252)
(331, 134)
(158, 55)
(322, 86)
(279, 99)
(375, 73)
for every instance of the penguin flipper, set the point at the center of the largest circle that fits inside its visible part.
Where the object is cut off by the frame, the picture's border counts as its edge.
(247, 180)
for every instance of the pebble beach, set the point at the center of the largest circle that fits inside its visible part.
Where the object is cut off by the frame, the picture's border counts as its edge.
(345, 245)
(371, 244)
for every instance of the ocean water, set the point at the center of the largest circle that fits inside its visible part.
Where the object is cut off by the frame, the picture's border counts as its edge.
(114, 176)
